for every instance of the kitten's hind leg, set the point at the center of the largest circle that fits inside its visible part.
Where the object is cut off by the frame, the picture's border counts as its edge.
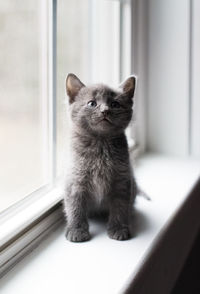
(76, 215)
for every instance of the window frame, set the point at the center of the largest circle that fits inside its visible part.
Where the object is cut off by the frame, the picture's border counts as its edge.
(15, 244)
(194, 78)
(24, 223)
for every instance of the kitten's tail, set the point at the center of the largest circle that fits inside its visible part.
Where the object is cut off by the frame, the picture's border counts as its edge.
(141, 193)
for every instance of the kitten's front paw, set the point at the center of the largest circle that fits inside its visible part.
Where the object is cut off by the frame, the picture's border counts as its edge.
(119, 234)
(77, 235)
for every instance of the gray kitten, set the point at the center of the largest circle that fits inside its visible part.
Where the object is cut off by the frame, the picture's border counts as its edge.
(101, 178)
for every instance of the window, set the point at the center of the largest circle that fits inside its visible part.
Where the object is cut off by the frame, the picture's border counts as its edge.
(106, 42)
(22, 112)
(41, 49)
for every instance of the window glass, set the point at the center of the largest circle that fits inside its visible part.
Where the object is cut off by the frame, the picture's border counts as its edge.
(22, 139)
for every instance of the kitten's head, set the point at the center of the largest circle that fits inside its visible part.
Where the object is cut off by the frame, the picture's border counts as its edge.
(98, 109)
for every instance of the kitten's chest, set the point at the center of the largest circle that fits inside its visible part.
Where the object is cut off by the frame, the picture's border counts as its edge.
(101, 177)
(100, 168)
(100, 162)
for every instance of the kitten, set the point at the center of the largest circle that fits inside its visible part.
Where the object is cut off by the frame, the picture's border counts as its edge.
(100, 176)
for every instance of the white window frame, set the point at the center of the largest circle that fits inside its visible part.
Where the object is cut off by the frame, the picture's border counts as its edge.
(195, 74)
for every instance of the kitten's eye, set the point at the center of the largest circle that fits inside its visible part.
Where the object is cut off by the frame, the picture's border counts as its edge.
(115, 104)
(92, 103)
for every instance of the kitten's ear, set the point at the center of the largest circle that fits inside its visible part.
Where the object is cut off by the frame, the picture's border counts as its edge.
(73, 86)
(128, 86)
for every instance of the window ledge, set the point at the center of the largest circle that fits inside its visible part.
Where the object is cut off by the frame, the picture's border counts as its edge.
(103, 265)
(16, 219)
(23, 225)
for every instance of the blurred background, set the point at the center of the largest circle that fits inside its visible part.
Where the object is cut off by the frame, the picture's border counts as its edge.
(100, 41)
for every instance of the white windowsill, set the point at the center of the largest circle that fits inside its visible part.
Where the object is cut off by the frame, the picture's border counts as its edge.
(103, 265)
(27, 212)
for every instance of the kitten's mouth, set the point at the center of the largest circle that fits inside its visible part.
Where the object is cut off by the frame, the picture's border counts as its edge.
(105, 119)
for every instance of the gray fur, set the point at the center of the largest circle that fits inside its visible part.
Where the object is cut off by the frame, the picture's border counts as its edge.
(100, 176)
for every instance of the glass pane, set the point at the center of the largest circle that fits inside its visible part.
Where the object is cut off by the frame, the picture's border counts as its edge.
(22, 140)
(72, 56)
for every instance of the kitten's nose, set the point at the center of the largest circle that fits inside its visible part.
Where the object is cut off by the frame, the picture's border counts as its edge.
(104, 109)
